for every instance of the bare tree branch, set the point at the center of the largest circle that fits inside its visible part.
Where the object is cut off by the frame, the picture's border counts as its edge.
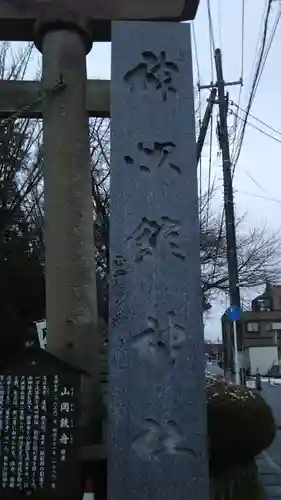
(258, 249)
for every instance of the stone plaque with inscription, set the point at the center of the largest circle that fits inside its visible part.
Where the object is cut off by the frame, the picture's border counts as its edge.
(39, 402)
(157, 410)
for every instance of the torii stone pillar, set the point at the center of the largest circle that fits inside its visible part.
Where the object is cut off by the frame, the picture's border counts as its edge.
(69, 218)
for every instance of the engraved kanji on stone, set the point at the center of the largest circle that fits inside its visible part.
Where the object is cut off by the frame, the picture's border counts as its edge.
(153, 156)
(65, 407)
(64, 439)
(161, 340)
(119, 266)
(155, 72)
(65, 392)
(150, 235)
(156, 439)
(64, 423)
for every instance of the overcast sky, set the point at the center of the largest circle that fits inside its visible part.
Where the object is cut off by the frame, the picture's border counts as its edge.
(260, 154)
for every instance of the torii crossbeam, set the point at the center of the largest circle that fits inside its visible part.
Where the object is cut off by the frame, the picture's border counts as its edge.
(17, 17)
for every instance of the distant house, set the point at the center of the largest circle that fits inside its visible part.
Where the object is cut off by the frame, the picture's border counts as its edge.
(259, 332)
(213, 350)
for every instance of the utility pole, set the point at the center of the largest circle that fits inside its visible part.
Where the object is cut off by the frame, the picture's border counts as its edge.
(228, 204)
(233, 331)
(205, 123)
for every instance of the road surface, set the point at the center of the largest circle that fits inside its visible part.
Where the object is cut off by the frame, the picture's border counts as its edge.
(269, 462)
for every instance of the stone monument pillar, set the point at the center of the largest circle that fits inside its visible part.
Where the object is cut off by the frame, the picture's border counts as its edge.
(157, 418)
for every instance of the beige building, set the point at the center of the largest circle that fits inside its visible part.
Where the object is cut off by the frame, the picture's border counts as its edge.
(262, 325)
(259, 333)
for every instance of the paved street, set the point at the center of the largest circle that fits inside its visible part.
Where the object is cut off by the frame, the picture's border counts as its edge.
(269, 462)
(272, 394)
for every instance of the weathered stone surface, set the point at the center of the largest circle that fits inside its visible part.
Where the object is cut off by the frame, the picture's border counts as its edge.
(157, 441)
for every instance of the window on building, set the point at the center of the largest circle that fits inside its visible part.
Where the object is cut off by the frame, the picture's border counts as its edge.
(264, 305)
(271, 327)
(252, 327)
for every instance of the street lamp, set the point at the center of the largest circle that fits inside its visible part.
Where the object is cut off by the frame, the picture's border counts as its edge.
(18, 17)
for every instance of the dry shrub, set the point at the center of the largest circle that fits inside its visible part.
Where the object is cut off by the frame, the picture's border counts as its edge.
(240, 423)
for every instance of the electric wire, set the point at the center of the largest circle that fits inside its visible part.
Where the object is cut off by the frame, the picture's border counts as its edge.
(212, 49)
(273, 33)
(261, 187)
(195, 52)
(257, 119)
(212, 54)
(200, 160)
(211, 38)
(259, 196)
(254, 85)
(255, 59)
(242, 38)
(253, 88)
(236, 123)
(209, 172)
(257, 128)
(199, 107)
(220, 23)
(264, 51)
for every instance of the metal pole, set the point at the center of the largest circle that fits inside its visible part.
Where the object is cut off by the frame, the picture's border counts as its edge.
(236, 360)
(69, 226)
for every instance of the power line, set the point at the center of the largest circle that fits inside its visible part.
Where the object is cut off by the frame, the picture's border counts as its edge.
(199, 106)
(200, 161)
(242, 37)
(257, 119)
(199, 103)
(236, 127)
(210, 171)
(254, 84)
(220, 22)
(261, 187)
(235, 124)
(255, 59)
(259, 196)
(195, 51)
(271, 198)
(270, 41)
(259, 68)
(211, 38)
(256, 128)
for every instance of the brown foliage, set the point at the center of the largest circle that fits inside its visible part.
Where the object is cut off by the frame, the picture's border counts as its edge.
(240, 424)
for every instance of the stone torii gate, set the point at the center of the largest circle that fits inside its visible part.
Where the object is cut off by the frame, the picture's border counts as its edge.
(156, 352)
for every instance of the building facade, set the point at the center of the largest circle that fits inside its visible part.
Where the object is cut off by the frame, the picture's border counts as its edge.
(260, 333)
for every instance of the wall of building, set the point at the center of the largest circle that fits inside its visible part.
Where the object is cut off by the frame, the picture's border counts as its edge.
(265, 335)
(261, 359)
